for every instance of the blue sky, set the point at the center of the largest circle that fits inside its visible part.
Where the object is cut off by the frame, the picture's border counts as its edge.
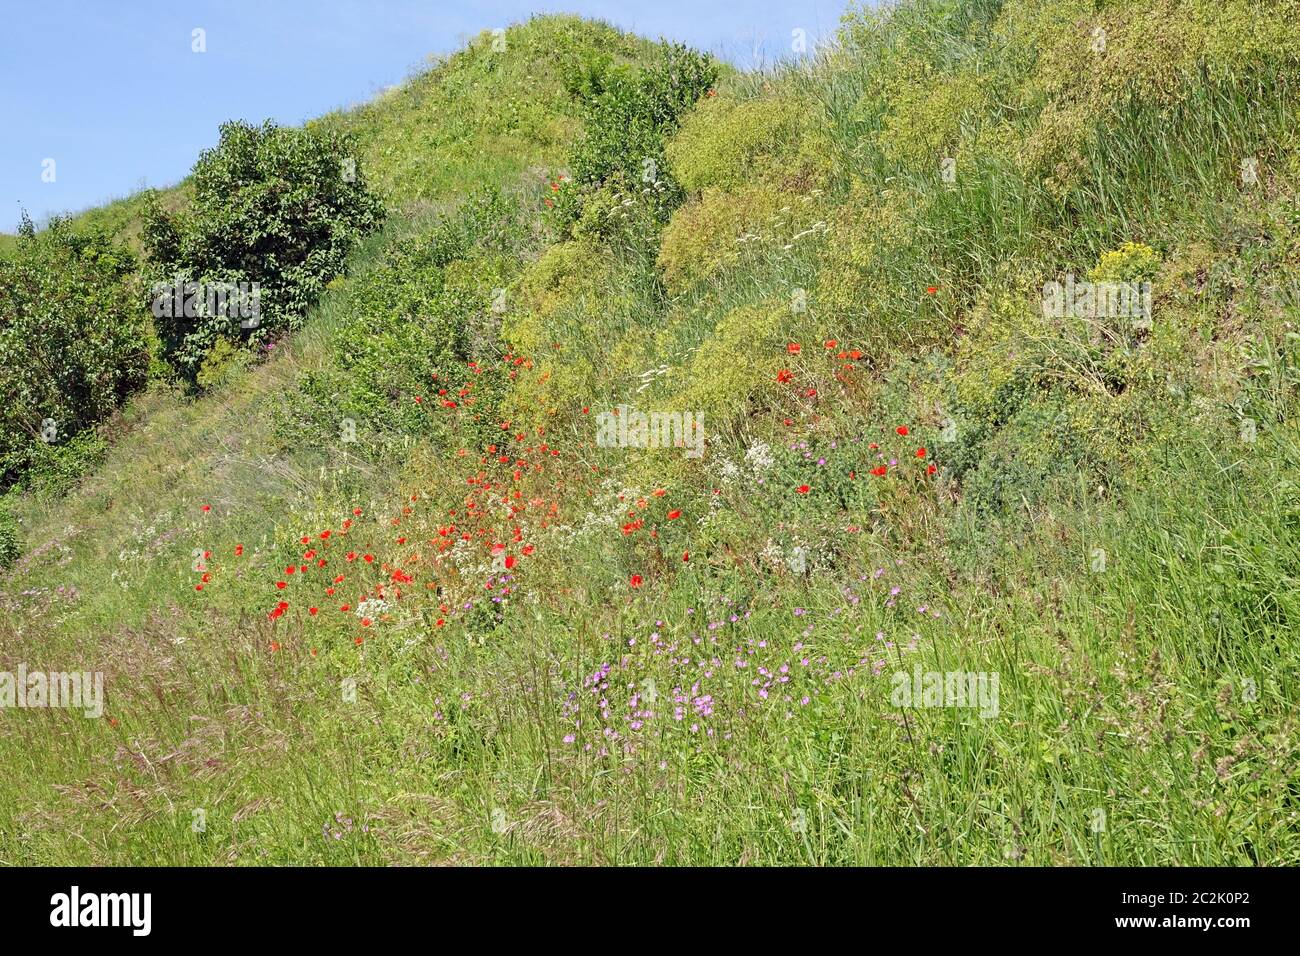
(111, 91)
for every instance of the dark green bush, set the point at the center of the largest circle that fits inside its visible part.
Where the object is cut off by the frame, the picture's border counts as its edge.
(73, 341)
(628, 114)
(276, 206)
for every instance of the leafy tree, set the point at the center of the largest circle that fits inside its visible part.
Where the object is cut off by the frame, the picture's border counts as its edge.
(73, 340)
(277, 206)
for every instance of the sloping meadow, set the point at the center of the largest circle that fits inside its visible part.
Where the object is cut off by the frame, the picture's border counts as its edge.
(888, 458)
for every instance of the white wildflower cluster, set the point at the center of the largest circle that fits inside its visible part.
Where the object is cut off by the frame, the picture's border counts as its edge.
(464, 558)
(610, 507)
(758, 462)
(372, 608)
(759, 458)
(794, 557)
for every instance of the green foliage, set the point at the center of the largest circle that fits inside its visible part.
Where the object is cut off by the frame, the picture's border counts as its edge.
(713, 233)
(628, 114)
(728, 143)
(275, 206)
(223, 361)
(10, 539)
(736, 366)
(73, 341)
(426, 306)
(1018, 464)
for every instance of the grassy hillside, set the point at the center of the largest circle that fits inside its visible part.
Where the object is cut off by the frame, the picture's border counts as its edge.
(385, 595)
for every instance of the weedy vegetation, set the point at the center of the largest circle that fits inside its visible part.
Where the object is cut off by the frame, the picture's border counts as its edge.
(365, 587)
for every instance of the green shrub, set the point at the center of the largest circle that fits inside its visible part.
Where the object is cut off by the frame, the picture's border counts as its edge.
(734, 370)
(223, 361)
(628, 114)
(729, 144)
(73, 340)
(272, 205)
(714, 231)
(429, 305)
(1022, 461)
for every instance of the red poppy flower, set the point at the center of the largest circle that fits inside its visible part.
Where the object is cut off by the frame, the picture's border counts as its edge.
(802, 489)
(879, 472)
(794, 348)
(932, 469)
(784, 375)
(902, 430)
(920, 453)
(674, 515)
(635, 581)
